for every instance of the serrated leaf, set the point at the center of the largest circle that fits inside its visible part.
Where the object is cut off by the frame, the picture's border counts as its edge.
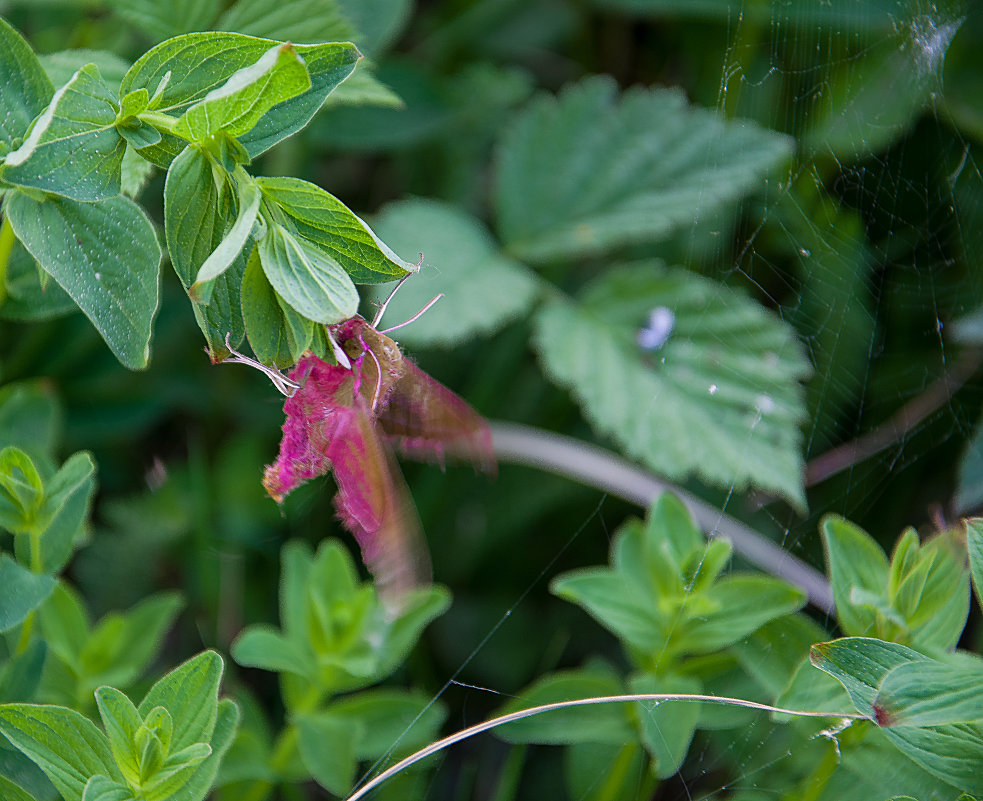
(854, 560)
(21, 592)
(73, 148)
(326, 221)
(237, 106)
(719, 399)
(66, 745)
(201, 62)
(196, 217)
(306, 277)
(105, 255)
(600, 723)
(230, 249)
(161, 20)
(294, 21)
(26, 88)
(483, 289)
(587, 171)
(190, 694)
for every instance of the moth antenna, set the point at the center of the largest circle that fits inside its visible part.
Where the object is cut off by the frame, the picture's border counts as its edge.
(339, 354)
(382, 308)
(416, 316)
(286, 386)
(378, 372)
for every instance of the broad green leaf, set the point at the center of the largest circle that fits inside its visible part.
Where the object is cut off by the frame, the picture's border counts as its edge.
(21, 491)
(21, 592)
(953, 753)
(161, 20)
(199, 783)
(327, 747)
(12, 792)
(306, 277)
(63, 743)
(65, 623)
(28, 299)
(265, 648)
(229, 250)
(30, 418)
(73, 148)
(196, 217)
(294, 21)
(776, 649)
(666, 728)
(121, 721)
(608, 771)
(860, 665)
(201, 62)
(324, 220)
(854, 560)
(190, 694)
(63, 64)
(595, 723)
(20, 675)
(483, 289)
(935, 594)
(105, 255)
(974, 545)
(389, 719)
(810, 690)
(265, 318)
(740, 605)
(969, 493)
(102, 788)
(930, 694)
(719, 399)
(586, 172)
(249, 93)
(26, 88)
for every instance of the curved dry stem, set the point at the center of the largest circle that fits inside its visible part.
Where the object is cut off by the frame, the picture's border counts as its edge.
(471, 731)
(606, 471)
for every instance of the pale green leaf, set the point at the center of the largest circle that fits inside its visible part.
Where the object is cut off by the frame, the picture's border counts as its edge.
(161, 20)
(363, 88)
(73, 148)
(102, 788)
(292, 21)
(105, 255)
(306, 277)
(26, 88)
(586, 172)
(324, 220)
(121, 721)
(483, 289)
(974, 545)
(854, 561)
(135, 172)
(389, 717)
(199, 783)
(327, 747)
(63, 64)
(265, 648)
(21, 491)
(190, 694)
(719, 399)
(201, 62)
(21, 592)
(249, 93)
(667, 728)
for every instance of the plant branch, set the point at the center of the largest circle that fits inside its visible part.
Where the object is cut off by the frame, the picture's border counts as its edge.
(657, 698)
(599, 468)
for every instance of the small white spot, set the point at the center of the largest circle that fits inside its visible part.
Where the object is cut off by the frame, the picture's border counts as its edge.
(654, 335)
(712, 389)
(805, 254)
(765, 404)
(98, 276)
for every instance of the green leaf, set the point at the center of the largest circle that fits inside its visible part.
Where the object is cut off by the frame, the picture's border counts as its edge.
(28, 298)
(190, 694)
(65, 623)
(163, 20)
(324, 220)
(73, 148)
(63, 743)
(294, 21)
(249, 93)
(740, 605)
(930, 694)
(720, 398)
(265, 648)
(327, 747)
(12, 792)
(201, 62)
(595, 723)
(974, 546)
(854, 560)
(666, 728)
(121, 722)
(363, 88)
(200, 782)
(21, 491)
(102, 788)
(196, 216)
(389, 720)
(229, 250)
(306, 277)
(811, 691)
(73, 477)
(378, 22)
(969, 493)
(63, 64)
(26, 88)
(483, 289)
(105, 255)
(265, 318)
(20, 675)
(30, 418)
(586, 172)
(21, 592)
(608, 772)
(138, 135)
(953, 753)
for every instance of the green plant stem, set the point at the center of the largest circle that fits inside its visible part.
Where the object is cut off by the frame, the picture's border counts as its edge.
(286, 746)
(160, 121)
(36, 565)
(599, 468)
(7, 239)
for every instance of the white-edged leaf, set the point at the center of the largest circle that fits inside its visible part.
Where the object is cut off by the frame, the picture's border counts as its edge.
(26, 88)
(483, 288)
(720, 398)
(586, 171)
